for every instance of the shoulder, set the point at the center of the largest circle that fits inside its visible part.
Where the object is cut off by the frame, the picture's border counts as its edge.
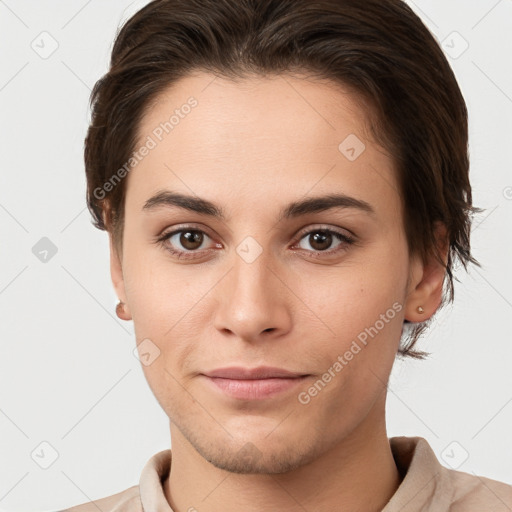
(470, 492)
(428, 485)
(148, 495)
(124, 501)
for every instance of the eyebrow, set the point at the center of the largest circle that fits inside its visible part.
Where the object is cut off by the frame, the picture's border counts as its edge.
(169, 199)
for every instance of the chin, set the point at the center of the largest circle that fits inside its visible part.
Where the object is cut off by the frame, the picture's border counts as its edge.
(252, 453)
(250, 460)
(251, 444)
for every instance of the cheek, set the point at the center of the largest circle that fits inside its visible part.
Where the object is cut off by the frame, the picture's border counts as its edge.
(351, 300)
(156, 289)
(353, 364)
(362, 305)
(167, 386)
(167, 304)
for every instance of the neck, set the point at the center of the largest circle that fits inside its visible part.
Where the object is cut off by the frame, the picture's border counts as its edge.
(357, 473)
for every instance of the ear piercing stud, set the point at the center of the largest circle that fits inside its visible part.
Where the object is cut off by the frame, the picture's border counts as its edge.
(120, 312)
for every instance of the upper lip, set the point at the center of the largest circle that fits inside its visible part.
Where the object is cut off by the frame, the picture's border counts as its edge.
(261, 372)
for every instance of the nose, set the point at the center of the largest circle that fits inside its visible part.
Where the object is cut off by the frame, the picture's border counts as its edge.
(253, 301)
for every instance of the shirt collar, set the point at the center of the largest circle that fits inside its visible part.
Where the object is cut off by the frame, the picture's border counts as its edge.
(424, 481)
(154, 473)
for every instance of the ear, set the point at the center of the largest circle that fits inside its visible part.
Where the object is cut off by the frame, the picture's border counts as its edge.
(426, 281)
(116, 274)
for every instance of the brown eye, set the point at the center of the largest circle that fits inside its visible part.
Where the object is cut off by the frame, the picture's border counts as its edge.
(320, 240)
(191, 240)
(185, 242)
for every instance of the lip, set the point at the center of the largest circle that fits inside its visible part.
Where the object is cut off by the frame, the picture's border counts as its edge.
(254, 383)
(261, 372)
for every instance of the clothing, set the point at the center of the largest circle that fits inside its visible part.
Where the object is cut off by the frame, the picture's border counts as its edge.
(427, 486)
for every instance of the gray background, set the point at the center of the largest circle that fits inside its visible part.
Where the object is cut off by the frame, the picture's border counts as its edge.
(68, 376)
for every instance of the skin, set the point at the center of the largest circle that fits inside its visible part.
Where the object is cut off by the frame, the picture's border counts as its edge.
(252, 147)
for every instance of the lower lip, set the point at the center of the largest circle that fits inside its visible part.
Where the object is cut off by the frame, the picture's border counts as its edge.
(255, 389)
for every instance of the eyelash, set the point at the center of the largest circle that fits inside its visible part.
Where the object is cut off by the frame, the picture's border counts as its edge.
(345, 240)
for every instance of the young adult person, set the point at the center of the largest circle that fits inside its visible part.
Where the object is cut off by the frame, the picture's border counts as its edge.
(285, 185)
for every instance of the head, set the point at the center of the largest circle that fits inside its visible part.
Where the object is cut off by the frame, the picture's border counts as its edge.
(283, 184)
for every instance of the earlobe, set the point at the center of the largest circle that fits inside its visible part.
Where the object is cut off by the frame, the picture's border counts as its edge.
(426, 298)
(116, 273)
(426, 282)
(121, 311)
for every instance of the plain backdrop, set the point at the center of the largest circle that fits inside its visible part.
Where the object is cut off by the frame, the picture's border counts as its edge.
(72, 394)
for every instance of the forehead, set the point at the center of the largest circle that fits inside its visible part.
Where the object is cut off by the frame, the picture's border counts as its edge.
(210, 135)
(299, 108)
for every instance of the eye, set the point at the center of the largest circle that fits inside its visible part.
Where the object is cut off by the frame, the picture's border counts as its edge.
(321, 239)
(184, 242)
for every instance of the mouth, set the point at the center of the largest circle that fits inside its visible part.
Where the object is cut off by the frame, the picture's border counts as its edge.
(254, 383)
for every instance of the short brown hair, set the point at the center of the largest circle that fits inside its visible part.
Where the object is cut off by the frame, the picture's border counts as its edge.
(379, 49)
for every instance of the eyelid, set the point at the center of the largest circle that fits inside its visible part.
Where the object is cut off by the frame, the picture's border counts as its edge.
(325, 227)
(183, 227)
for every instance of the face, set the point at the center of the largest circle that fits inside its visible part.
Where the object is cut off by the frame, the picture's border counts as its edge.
(234, 279)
